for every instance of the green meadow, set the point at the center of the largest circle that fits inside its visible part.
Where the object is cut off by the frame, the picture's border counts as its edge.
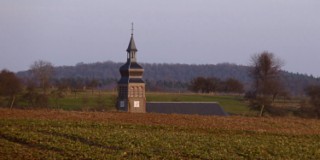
(105, 101)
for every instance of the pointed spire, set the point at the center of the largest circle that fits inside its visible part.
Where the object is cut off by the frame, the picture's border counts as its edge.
(132, 45)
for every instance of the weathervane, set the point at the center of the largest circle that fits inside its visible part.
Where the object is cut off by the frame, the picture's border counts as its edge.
(132, 28)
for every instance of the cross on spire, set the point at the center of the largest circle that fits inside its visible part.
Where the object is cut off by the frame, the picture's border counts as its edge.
(132, 28)
(132, 45)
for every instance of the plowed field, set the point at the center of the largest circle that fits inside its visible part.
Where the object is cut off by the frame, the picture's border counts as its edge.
(55, 134)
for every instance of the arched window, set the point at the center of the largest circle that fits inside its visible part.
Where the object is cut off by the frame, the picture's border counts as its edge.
(131, 92)
(135, 90)
(140, 91)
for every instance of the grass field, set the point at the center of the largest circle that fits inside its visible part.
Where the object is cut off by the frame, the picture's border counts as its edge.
(106, 101)
(58, 134)
(231, 104)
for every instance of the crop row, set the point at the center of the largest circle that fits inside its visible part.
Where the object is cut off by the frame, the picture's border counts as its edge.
(61, 139)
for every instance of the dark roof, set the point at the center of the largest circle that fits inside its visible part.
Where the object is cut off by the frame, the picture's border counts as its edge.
(126, 80)
(136, 80)
(123, 80)
(200, 108)
(132, 45)
(135, 65)
(130, 65)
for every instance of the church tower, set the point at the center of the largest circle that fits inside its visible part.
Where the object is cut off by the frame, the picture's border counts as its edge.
(131, 87)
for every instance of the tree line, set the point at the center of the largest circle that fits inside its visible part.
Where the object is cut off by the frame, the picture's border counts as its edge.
(264, 83)
(213, 84)
(37, 89)
(161, 76)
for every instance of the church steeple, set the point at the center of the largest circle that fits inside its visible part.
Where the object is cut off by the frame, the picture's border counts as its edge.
(132, 46)
(131, 87)
(132, 49)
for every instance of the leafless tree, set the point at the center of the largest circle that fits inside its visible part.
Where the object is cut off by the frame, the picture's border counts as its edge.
(42, 71)
(265, 73)
(313, 92)
(233, 86)
(10, 85)
(198, 84)
(213, 84)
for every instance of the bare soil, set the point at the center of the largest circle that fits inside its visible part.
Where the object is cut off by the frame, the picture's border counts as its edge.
(287, 125)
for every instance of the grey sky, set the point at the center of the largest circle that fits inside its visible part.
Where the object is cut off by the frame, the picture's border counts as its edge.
(66, 32)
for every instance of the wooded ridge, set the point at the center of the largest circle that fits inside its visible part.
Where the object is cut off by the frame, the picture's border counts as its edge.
(164, 76)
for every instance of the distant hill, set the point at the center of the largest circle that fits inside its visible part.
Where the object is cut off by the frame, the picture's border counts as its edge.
(173, 76)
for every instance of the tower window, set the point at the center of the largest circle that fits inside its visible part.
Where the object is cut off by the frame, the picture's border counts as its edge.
(121, 103)
(136, 103)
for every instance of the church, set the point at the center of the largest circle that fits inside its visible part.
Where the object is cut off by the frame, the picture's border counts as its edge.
(132, 96)
(131, 87)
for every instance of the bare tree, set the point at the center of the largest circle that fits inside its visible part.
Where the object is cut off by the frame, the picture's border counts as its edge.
(313, 92)
(198, 85)
(93, 84)
(213, 84)
(233, 86)
(42, 71)
(265, 72)
(10, 85)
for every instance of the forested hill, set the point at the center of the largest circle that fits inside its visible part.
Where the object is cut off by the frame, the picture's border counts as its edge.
(174, 75)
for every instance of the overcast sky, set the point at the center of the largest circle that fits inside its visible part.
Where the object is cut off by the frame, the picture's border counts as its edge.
(65, 32)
